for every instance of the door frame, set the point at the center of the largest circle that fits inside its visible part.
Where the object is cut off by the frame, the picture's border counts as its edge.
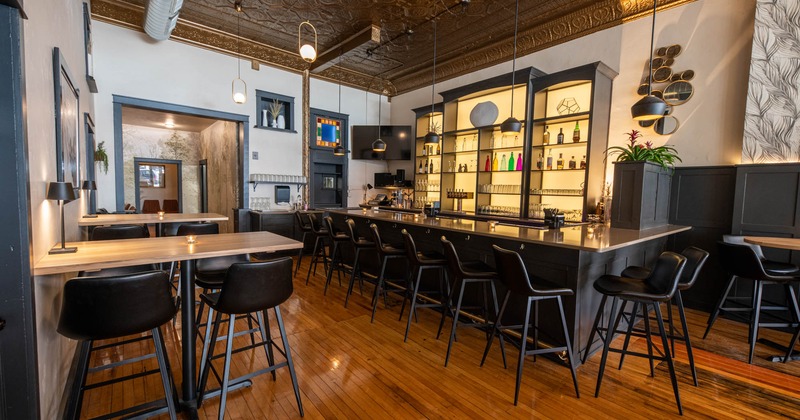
(19, 374)
(143, 160)
(242, 134)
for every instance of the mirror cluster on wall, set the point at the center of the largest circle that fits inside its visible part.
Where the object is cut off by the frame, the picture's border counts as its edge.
(672, 85)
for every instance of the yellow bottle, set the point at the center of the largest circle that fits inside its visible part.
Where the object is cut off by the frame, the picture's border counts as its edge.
(494, 163)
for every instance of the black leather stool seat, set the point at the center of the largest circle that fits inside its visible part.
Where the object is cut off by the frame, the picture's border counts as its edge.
(118, 271)
(105, 233)
(627, 288)
(431, 258)
(362, 242)
(478, 270)
(780, 269)
(420, 261)
(390, 249)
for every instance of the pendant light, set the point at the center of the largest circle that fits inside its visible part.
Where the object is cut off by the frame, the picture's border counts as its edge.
(306, 50)
(650, 107)
(379, 145)
(432, 137)
(238, 86)
(512, 125)
(339, 149)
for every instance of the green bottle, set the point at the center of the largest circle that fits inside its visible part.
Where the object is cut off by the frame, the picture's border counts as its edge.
(511, 163)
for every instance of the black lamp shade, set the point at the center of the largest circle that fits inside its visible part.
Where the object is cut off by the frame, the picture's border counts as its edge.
(60, 191)
(89, 185)
(338, 150)
(648, 108)
(510, 126)
(431, 138)
(378, 146)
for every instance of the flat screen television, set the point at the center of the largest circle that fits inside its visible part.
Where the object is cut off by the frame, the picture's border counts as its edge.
(398, 141)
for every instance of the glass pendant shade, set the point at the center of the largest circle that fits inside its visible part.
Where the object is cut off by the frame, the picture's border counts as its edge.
(510, 126)
(338, 150)
(648, 108)
(308, 52)
(239, 91)
(431, 138)
(378, 146)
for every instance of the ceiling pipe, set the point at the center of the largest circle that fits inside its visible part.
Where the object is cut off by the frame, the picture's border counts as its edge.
(160, 18)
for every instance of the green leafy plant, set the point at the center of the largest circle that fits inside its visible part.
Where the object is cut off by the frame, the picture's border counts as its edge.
(100, 156)
(644, 152)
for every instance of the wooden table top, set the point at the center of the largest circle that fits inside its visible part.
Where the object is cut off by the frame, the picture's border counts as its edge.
(138, 219)
(770, 242)
(95, 255)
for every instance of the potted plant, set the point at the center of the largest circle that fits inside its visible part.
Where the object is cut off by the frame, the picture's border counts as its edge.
(275, 109)
(100, 156)
(642, 182)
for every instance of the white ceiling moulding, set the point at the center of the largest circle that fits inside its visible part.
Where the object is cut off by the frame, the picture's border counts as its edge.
(160, 18)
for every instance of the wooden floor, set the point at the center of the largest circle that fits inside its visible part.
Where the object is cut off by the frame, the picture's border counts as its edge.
(350, 368)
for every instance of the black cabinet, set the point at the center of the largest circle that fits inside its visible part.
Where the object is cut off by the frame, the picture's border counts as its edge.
(281, 223)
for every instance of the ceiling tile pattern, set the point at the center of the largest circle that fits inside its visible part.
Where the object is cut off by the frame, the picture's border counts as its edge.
(472, 34)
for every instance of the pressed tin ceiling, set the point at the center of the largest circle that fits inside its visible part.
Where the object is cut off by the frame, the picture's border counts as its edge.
(396, 55)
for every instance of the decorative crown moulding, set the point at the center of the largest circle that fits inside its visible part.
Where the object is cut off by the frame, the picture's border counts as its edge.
(603, 14)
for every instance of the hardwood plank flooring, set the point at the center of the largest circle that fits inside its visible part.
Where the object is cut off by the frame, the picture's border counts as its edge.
(349, 368)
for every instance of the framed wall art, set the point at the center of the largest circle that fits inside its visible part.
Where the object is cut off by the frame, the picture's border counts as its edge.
(67, 119)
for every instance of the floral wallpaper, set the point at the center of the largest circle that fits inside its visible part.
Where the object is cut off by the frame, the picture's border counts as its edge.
(772, 117)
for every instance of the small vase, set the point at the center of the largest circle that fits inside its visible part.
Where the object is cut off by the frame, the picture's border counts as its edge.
(281, 122)
(264, 118)
(274, 123)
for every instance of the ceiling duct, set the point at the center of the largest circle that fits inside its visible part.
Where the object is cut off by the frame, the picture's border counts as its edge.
(161, 17)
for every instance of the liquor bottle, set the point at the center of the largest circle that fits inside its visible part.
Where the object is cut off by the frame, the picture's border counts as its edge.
(425, 167)
(491, 145)
(474, 142)
(519, 162)
(576, 134)
(560, 136)
(512, 164)
(430, 171)
(494, 163)
(539, 162)
(488, 165)
(572, 163)
(419, 171)
(424, 150)
(503, 163)
(438, 150)
(463, 144)
(583, 162)
(560, 161)
(546, 135)
(550, 160)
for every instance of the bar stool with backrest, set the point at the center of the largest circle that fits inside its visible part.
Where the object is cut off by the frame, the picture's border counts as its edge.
(695, 259)
(742, 261)
(419, 262)
(464, 274)
(386, 253)
(305, 227)
(658, 287)
(151, 206)
(110, 307)
(515, 278)
(105, 233)
(171, 206)
(337, 238)
(320, 233)
(249, 288)
(359, 244)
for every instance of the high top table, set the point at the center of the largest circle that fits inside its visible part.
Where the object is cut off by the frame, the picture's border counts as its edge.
(149, 218)
(96, 255)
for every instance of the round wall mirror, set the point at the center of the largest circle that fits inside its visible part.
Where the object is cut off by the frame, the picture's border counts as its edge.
(677, 93)
(646, 123)
(673, 51)
(662, 74)
(666, 125)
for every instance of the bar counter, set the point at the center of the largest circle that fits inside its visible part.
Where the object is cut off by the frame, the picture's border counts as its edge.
(572, 257)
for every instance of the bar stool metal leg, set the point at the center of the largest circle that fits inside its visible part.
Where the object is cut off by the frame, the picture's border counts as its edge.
(714, 314)
(606, 343)
(352, 277)
(686, 339)
(300, 254)
(289, 360)
(597, 319)
(667, 355)
(166, 381)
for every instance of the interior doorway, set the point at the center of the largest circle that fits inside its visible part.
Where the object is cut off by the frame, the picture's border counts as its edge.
(159, 185)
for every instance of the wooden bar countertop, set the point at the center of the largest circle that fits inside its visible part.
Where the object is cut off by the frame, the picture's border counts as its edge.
(588, 237)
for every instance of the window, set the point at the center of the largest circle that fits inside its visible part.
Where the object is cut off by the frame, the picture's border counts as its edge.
(151, 176)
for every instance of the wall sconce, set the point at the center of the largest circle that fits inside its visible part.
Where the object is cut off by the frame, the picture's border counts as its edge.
(306, 50)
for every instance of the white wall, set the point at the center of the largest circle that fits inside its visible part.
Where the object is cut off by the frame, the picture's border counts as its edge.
(51, 24)
(715, 36)
(128, 63)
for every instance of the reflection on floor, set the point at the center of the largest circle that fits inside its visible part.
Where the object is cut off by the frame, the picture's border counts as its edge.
(349, 368)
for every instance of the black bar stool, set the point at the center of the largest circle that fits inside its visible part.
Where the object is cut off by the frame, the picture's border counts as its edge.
(305, 227)
(742, 261)
(337, 238)
(695, 259)
(514, 276)
(250, 288)
(359, 244)
(420, 261)
(101, 308)
(105, 233)
(386, 252)
(463, 274)
(658, 287)
(320, 233)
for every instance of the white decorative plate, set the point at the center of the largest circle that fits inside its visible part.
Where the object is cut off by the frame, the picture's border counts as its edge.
(485, 113)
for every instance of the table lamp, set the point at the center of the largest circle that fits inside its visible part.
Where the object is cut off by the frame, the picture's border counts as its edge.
(89, 186)
(61, 191)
